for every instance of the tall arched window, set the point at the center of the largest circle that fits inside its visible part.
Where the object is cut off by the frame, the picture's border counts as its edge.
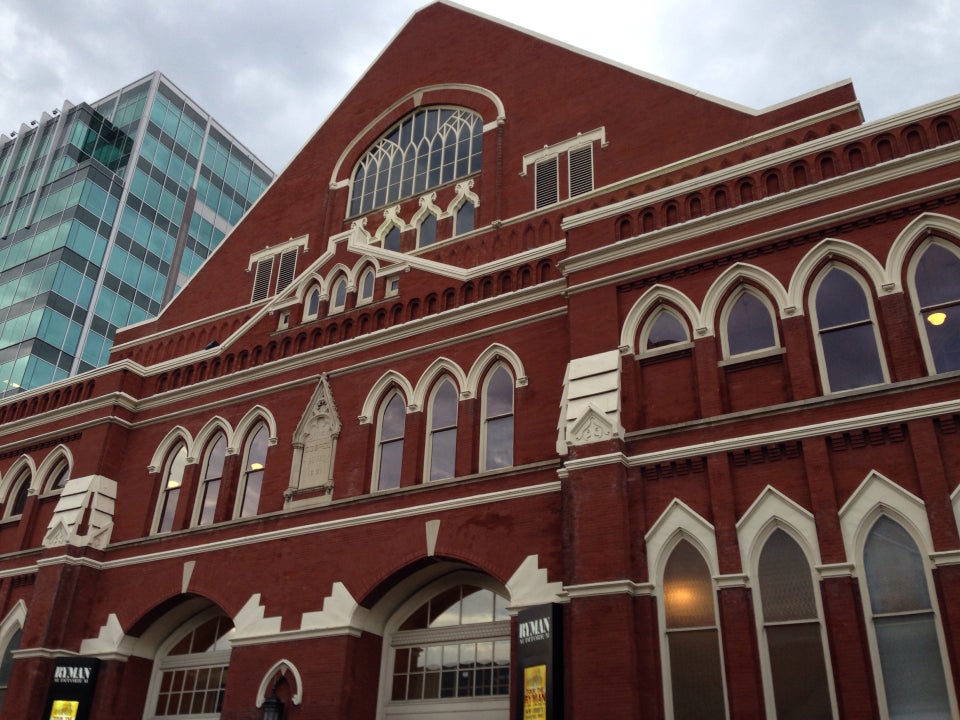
(389, 460)
(190, 672)
(936, 284)
(254, 463)
(212, 477)
(391, 241)
(17, 495)
(367, 280)
(465, 218)
(912, 678)
(792, 633)
(662, 329)
(497, 434)
(338, 299)
(170, 490)
(692, 637)
(442, 438)
(427, 232)
(748, 324)
(58, 478)
(846, 333)
(6, 664)
(312, 308)
(431, 146)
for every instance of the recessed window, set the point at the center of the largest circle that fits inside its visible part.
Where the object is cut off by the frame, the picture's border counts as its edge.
(212, 479)
(427, 233)
(465, 219)
(339, 299)
(312, 308)
(442, 439)
(428, 148)
(254, 464)
(663, 329)
(497, 437)
(367, 280)
(390, 444)
(170, 491)
(60, 475)
(749, 324)
(391, 241)
(692, 638)
(937, 285)
(17, 497)
(847, 338)
(6, 663)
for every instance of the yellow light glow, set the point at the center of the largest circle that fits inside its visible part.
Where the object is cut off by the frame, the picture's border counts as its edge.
(256, 466)
(681, 597)
(936, 318)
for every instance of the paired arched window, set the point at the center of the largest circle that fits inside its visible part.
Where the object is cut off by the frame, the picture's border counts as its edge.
(496, 440)
(662, 329)
(338, 298)
(254, 463)
(748, 324)
(847, 338)
(792, 635)
(389, 456)
(170, 490)
(430, 147)
(692, 636)
(904, 627)
(936, 289)
(442, 436)
(212, 480)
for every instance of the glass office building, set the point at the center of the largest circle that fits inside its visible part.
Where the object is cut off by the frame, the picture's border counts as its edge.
(106, 209)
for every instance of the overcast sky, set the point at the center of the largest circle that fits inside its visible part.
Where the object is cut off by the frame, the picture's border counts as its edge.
(272, 70)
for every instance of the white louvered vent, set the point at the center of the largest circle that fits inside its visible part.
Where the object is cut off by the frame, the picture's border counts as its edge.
(288, 269)
(261, 281)
(581, 170)
(548, 190)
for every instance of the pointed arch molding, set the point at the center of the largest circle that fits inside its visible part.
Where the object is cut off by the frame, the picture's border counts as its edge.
(680, 522)
(389, 379)
(773, 510)
(50, 463)
(14, 621)
(927, 223)
(438, 368)
(741, 274)
(315, 443)
(258, 413)
(840, 250)
(657, 295)
(281, 667)
(878, 495)
(175, 435)
(22, 464)
(491, 354)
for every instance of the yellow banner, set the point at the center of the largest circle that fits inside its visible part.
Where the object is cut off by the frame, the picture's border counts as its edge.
(64, 710)
(535, 693)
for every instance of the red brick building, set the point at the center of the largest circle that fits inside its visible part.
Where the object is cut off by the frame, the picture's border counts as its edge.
(520, 326)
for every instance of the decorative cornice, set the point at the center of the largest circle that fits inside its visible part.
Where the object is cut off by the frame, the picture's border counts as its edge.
(609, 587)
(835, 570)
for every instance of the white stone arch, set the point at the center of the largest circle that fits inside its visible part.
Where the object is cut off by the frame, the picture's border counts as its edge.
(210, 428)
(14, 620)
(175, 435)
(281, 667)
(427, 206)
(464, 194)
(921, 226)
(255, 415)
(651, 299)
(878, 495)
(389, 379)
(22, 464)
(483, 363)
(679, 522)
(840, 251)
(333, 274)
(440, 366)
(771, 511)
(43, 476)
(741, 274)
(306, 284)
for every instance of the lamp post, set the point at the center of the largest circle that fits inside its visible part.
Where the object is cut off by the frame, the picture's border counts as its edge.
(272, 707)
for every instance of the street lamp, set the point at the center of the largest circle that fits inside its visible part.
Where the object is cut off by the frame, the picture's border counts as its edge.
(272, 707)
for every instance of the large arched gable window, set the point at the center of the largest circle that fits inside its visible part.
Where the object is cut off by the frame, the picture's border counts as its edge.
(935, 275)
(442, 436)
(251, 478)
(847, 338)
(170, 489)
(389, 452)
(747, 323)
(211, 480)
(496, 439)
(431, 146)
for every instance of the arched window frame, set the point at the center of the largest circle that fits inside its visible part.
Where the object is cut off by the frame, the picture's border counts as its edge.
(252, 472)
(432, 238)
(433, 432)
(311, 304)
(366, 285)
(725, 329)
(489, 416)
(165, 662)
(170, 486)
(201, 515)
(648, 326)
(59, 476)
(338, 295)
(17, 491)
(818, 333)
(392, 441)
(11, 630)
(378, 177)
(921, 311)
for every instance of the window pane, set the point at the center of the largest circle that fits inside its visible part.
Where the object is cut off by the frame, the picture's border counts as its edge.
(786, 587)
(499, 443)
(913, 676)
(394, 417)
(499, 394)
(840, 300)
(444, 406)
(687, 589)
(938, 277)
(428, 231)
(443, 450)
(391, 457)
(695, 675)
(851, 357)
(799, 673)
(464, 219)
(894, 569)
(749, 325)
(943, 333)
(666, 330)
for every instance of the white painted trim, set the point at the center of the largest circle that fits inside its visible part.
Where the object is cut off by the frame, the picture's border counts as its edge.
(581, 138)
(377, 394)
(440, 366)
(483, 365)
(49, 464)
(657, 295)
(838, 252)
(283, 667)
(911, 273)
(301, 242)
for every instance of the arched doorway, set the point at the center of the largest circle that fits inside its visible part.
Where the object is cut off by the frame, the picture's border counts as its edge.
(446, 652)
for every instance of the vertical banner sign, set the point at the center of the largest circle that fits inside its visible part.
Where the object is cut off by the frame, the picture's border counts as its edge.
(539, 679)
(71, 689)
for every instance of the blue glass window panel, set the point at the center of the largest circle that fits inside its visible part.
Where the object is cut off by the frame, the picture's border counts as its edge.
(912, 668)
(666, 330)
(851, 357)
(465, 219)
(840, 300)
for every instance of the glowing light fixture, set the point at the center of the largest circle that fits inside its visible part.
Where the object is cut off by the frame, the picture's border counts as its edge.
(936, 318)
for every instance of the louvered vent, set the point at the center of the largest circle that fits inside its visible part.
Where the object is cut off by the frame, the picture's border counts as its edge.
(546, 182)
(288, 268)
(261, 281)
(581, 170)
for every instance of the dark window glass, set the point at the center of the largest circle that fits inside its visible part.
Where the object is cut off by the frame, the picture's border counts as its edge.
(392, 240)
(846, 331)
(339, 295)
(749, 325)
(498, 420)
(253, 472)
(313, 304)
(392, 424)
(937, 281)
(212, 477)
(464, 219)
(170, 492)
(366, 285)
(665, 329)
(428, 231)
(443, 432)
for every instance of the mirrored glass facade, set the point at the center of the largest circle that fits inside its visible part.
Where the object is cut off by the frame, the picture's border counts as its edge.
(106, 209)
